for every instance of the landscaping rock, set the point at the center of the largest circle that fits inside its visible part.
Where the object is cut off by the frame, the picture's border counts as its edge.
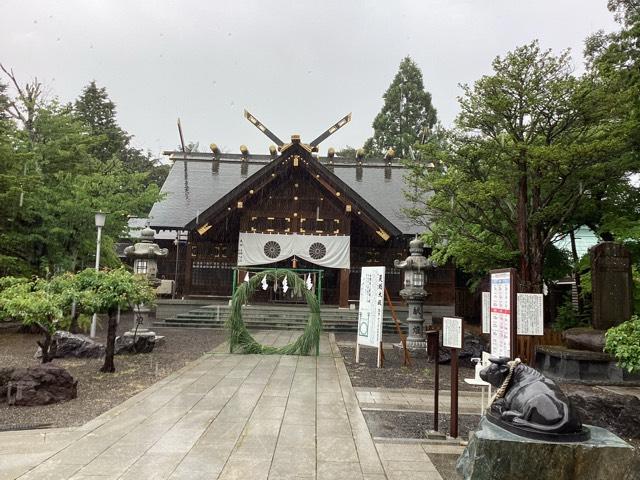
(41, 385)
(66, 344)
(584, 339)
(135, 344)
(617, 413)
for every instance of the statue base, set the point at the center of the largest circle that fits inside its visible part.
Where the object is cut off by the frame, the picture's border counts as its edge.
(581, 436)
(496, 453)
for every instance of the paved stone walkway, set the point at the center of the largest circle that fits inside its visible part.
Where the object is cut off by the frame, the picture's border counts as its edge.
(414, 400)
(225, 417)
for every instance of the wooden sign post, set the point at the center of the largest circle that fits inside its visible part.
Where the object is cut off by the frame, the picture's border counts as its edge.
(370, 310)
(452, 337)
(433, 347)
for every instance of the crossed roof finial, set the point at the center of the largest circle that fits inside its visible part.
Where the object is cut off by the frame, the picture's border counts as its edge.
(330, 131)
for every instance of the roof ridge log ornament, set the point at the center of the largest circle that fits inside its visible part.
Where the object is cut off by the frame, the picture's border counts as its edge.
(311, 147)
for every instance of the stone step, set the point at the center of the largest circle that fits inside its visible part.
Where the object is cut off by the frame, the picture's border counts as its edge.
(272, 317)
(260, 326)
(269, 325)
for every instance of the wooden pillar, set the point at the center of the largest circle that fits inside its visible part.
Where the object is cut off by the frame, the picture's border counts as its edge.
(188, 263)
(344, 288)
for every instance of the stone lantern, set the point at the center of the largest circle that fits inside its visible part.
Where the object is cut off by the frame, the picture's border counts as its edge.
(145, 256)
(414, 293)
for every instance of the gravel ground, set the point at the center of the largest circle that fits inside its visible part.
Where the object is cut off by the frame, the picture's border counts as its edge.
(99, 392)
(415, 425)
(394, 374)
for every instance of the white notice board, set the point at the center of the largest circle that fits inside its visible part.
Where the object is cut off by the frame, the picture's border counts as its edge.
(501, 314)
(371, 306)
(452, 332)
(530, 316)
(486, 312)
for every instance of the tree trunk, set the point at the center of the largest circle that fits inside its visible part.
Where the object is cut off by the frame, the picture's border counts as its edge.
(45, 345)
(536, 243)
(75, 314)
(522, 229)
(576, 272)
(109, 366)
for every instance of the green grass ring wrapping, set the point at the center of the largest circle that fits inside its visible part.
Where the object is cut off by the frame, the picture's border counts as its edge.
(239, 336)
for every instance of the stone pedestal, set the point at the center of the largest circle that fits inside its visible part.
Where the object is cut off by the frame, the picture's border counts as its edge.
(582, 366)
(495, 453)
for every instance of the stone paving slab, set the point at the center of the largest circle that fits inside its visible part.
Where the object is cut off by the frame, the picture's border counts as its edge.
(225, 416)
(415, 400)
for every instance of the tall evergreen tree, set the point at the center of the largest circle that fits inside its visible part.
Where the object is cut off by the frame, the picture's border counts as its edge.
(98, 112)
(407, 115)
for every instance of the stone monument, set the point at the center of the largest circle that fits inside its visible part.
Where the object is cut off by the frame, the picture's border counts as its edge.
(414, 293)
(612, 290)
(582, 359)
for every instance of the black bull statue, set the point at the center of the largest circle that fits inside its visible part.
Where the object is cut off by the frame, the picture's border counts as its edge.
(529, 404)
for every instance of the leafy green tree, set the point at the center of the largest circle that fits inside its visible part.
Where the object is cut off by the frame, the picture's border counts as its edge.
(34, 304)
(614, 60)
(52, 185)
(407, 115)
(532, 142)
(107, 290)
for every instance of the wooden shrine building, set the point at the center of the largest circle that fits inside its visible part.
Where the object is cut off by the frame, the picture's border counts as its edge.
(225, 214)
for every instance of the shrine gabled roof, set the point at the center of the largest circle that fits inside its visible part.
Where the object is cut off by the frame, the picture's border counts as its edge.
(194, 186)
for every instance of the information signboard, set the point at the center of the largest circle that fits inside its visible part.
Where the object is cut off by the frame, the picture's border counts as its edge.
(371, 308)
(486, 312)
(501, 312)
(530, 314)
(452, 332)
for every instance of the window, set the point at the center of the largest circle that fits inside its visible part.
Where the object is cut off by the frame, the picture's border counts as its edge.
(141, 266)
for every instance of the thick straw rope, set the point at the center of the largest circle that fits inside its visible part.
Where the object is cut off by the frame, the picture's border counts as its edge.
(500, 393)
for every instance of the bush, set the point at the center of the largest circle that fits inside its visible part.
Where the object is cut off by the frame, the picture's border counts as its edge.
(567, 317)
(623, 342)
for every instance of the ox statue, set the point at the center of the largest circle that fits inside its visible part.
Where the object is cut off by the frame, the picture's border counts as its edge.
(529, 404)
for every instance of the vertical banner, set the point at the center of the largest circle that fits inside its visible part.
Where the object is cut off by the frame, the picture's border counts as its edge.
(371, 309)
(530, 314)
(486, 312)
(501, 312)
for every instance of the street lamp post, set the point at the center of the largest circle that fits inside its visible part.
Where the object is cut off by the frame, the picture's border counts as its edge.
(100, 219)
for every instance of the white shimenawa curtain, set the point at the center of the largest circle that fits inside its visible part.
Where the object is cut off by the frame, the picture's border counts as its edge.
(264, 248)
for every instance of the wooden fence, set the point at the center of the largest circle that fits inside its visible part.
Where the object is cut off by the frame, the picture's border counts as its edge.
(526, 344)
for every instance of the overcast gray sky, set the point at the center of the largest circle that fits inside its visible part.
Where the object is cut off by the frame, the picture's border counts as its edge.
(298, 66)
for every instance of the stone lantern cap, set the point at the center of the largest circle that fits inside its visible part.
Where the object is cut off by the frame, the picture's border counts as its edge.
(416, 261)
(146, 248)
